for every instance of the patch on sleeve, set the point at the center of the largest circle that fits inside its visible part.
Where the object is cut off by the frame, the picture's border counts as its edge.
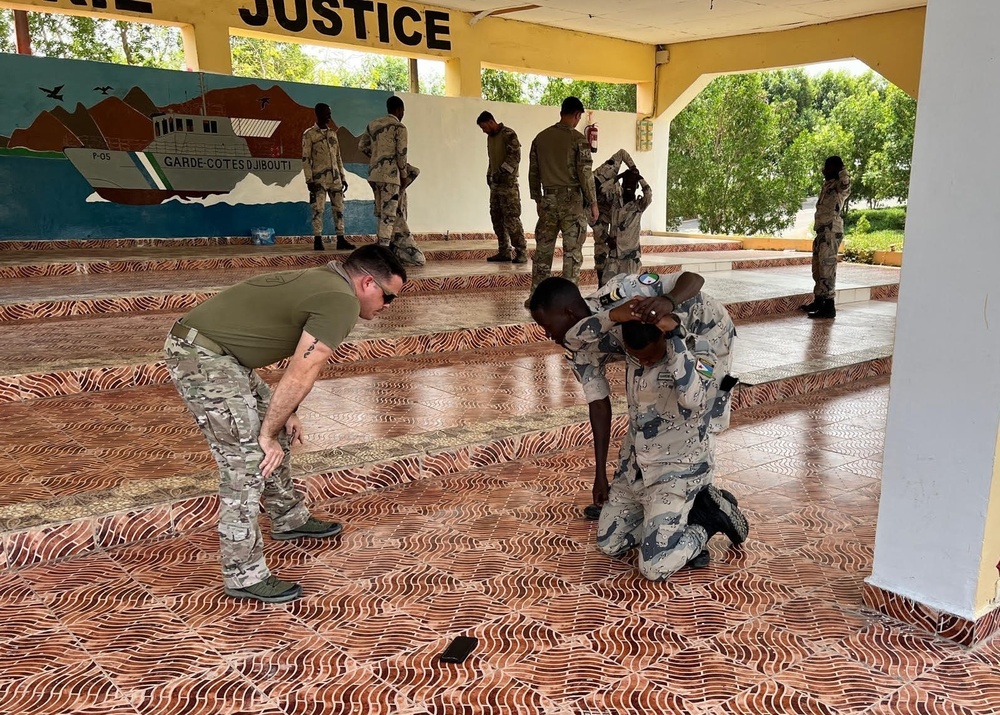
(704, 367)
(648, 279)
(569, 354)
(612, 296)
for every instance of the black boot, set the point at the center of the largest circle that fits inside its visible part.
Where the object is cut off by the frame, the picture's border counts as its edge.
(343, 245)
(809, 307)
(715, 513)
(318, 243)
(826, 310)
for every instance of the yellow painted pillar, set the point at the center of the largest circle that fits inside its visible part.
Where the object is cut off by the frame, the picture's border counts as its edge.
(463, 77)
(206, 48)
(645, 97)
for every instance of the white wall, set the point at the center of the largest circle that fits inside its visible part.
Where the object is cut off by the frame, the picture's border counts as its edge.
(944, 403)
(450, 151)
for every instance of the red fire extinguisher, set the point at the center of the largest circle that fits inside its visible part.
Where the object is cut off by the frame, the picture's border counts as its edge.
(591, 133)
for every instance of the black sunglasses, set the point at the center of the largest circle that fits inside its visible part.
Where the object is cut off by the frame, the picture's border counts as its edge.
(387, 295)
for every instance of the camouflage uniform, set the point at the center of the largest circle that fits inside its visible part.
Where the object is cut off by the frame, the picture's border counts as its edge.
(667, 457)
(626, 226)
(228, 402)
(384, 143)
(829, 225)
(323, 165)
(609, 195)
(402, 244)
(504, 152)
(561, 182)
(590, 352)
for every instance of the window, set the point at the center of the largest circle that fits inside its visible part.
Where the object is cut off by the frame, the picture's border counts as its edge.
(171, 124)
(156, 128)
(215, 127)
(206, 127)
(190, 125)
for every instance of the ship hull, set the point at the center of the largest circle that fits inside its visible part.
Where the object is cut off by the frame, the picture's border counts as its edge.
(143, 178)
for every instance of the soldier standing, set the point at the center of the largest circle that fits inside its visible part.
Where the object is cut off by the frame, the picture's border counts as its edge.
(324, 171)
(403, 245)
(212, 353)
(624, 249)
(609, 194)
(384, 142)
(561, 185)
(504, 153)
(829, 225)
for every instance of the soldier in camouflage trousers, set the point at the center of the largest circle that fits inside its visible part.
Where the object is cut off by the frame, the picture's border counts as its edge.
(504, 158)
(212, 354)
(609, 195)
(624, 248)
(323, 168)
(661, 501)
(829, 226)
(562, 185)
(402, 244)
(384, 142)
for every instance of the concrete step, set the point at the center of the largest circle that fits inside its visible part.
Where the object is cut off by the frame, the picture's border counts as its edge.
(60, 356)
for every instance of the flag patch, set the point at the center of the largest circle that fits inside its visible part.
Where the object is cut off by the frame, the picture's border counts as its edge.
(704, 367)
(648, 279)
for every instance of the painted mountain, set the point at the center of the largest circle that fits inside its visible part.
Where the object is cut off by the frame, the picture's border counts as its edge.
(134, 152)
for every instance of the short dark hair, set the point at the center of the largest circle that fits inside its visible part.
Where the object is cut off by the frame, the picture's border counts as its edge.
(571, 105)
(393, 103)
(638, 335)
(554, 292)
(834, 162)
(377, 260)
(485, 117)
(322, 105)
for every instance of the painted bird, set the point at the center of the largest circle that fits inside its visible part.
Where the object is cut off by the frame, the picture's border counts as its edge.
(55, 93)
(264, 101)
(103, 90)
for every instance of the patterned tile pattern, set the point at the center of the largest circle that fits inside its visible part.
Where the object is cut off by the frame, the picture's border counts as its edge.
(500, 552)
(946, 625)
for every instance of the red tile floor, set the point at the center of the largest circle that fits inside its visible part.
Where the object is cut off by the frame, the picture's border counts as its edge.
(502, 554)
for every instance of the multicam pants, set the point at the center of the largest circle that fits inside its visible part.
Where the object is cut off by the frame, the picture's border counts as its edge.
(653, 519)
(560, 210)
(602, 230)
(318, 201)
(505, 213)
(228, 402)
(824, 263)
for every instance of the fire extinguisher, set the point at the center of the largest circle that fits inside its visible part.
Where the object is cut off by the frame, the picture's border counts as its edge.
(591, 133)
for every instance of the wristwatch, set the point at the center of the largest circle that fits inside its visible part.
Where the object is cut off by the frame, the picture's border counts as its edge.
(673, 302)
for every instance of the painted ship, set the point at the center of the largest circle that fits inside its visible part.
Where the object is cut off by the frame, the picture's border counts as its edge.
(191, 156)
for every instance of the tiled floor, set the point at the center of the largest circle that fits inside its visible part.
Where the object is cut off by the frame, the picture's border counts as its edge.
(502, 554)
(73, 445)
(62, 343)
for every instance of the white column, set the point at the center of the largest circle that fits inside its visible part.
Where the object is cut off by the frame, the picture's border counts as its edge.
(934, 543)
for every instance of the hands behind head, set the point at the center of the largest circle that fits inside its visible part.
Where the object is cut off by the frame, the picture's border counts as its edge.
(655, 310)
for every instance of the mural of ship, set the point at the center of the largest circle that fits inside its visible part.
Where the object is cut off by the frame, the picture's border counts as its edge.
(191, 156)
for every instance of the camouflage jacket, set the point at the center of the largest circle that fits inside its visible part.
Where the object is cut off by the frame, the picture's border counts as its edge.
(504, 153)
(830, 203)
(626, 219)
(560, 156)
(384, 143)
(321, 161)
(699, 356)
(606, 177)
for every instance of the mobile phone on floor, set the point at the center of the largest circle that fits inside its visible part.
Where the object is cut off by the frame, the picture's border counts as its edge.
(458, 650)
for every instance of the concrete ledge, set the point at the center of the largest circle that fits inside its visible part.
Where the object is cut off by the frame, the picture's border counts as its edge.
(889, 258)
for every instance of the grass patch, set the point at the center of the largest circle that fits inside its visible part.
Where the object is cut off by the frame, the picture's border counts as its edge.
(861, 247)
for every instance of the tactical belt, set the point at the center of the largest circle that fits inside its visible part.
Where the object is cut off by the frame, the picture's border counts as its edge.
(190, 335)
(549, 190)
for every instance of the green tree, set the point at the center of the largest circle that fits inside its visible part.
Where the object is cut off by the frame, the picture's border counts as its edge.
(728, 163)
(594, 95)
(811, 148)
(865, 116)
(797, 87)
(888, 172)
(86, 38)
(266, 59)
(501, 86)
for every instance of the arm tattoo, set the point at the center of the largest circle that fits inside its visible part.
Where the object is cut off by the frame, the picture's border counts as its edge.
(310, 348)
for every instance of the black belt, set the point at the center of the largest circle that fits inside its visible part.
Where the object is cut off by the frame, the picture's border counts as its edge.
(191, 335)
(548, 190)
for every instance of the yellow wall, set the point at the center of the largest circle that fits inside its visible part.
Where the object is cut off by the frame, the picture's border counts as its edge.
(890, 43)
(507, 44)
(986, 593)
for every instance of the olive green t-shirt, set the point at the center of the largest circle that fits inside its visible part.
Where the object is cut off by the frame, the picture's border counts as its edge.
(260, 320)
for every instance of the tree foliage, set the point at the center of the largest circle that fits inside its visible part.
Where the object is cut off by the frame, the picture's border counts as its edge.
(731, 163)
(501, 86)
(594, 95)
(265, 59)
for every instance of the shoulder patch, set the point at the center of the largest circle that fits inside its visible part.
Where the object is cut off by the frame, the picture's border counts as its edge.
(612, 296)
(705, 368)
(648, 279)
(569, 354)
